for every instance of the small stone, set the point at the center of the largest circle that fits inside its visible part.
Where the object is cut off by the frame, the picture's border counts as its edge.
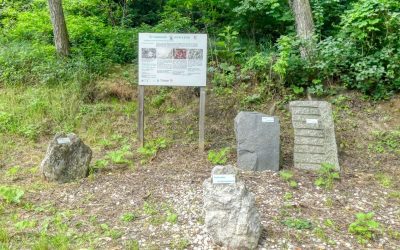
(67, 159)
(231, 218)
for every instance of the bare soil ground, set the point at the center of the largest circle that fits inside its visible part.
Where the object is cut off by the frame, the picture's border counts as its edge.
(90, 212)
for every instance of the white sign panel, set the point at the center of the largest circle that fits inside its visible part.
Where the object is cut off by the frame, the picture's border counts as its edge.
(224, 179)
(267, 119)
(312, 121)
(172, 59)
(65, 140)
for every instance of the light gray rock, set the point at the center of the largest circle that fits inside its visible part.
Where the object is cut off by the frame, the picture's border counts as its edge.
(67, 159)
(231, 218)
(258, 141)
(314, 135)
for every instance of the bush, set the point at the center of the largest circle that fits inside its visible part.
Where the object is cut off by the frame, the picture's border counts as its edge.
(28, 56)
(365, 53)
(364, 227)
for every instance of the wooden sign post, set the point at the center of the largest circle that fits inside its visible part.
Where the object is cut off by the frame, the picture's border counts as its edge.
(172, 59)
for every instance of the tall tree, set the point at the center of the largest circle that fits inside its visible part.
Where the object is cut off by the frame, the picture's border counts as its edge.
(60, 32)
(304, 24)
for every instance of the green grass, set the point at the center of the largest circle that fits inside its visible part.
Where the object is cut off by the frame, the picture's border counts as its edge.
(287, 176)
(297, 223)
(385, 180)
(32, 111)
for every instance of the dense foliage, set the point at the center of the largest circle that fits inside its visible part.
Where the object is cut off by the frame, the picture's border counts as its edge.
(253, 41)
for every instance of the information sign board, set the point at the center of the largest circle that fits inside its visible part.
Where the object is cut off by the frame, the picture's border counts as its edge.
(172, 59)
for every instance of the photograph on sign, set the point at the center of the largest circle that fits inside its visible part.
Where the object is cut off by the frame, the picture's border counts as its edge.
(172, 59)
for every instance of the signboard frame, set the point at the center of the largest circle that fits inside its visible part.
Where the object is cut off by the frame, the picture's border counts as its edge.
(141, 90)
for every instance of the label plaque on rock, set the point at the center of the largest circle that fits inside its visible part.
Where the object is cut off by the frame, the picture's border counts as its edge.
(63, 140)
(224, 179)
(314, 135)
(258, 141)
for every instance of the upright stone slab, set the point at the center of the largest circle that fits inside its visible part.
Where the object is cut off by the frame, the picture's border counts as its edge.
(231, 218)
(314, 135)
(258, 141)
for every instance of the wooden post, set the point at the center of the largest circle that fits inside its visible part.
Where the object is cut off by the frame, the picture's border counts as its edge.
(141, 116)
(202, 117)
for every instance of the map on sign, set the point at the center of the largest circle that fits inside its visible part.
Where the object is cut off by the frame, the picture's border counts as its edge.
(172, 59)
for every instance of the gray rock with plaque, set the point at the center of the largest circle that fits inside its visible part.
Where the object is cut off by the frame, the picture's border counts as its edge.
(314, 135)
(258, 141)
(67, 159)
(231, 218)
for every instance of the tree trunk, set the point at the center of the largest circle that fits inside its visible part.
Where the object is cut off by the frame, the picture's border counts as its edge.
(60, 32)
(304, 24)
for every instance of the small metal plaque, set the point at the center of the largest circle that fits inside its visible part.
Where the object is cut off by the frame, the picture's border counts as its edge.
(312, 121)
(224, 179)
(64, 140)
(267, 119)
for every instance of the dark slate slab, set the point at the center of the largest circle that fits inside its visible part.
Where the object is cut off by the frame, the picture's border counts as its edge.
(258, 141)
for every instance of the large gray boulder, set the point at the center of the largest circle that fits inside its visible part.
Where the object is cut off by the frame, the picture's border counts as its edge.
(231, 218)
(67, 159)
(258, 141)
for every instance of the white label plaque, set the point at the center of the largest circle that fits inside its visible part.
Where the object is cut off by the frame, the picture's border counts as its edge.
(312, 121)
(172, 59)
(224, 179)
(267, 119)
(63, 140)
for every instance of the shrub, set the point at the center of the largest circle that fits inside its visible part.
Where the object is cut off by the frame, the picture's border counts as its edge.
(11, 194)
(365, 52)
(364, 227)
(218, 157)
(327, 174)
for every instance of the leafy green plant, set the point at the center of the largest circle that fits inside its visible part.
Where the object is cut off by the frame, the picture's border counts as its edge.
(114, 234)
(149, 208)
(288, 196)
(386, 141)
(133, 245)
(364, 227)
(128, 217)
(100, 164)
(4, 235)
(321, 234)
(297, 223)
(287, 176)
(21, 225)
(158, 100)
(282, 63)
(384, 180)
(252, 99)
(228, 46)
(119, 156)
(297, 90)
(218, 157)
(171, 217)
(11, 194)
(151, 148)
(327, 174)
(13, 171)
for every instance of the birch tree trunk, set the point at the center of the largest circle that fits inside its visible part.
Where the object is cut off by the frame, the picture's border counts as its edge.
(304, 24)
(60, 32)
